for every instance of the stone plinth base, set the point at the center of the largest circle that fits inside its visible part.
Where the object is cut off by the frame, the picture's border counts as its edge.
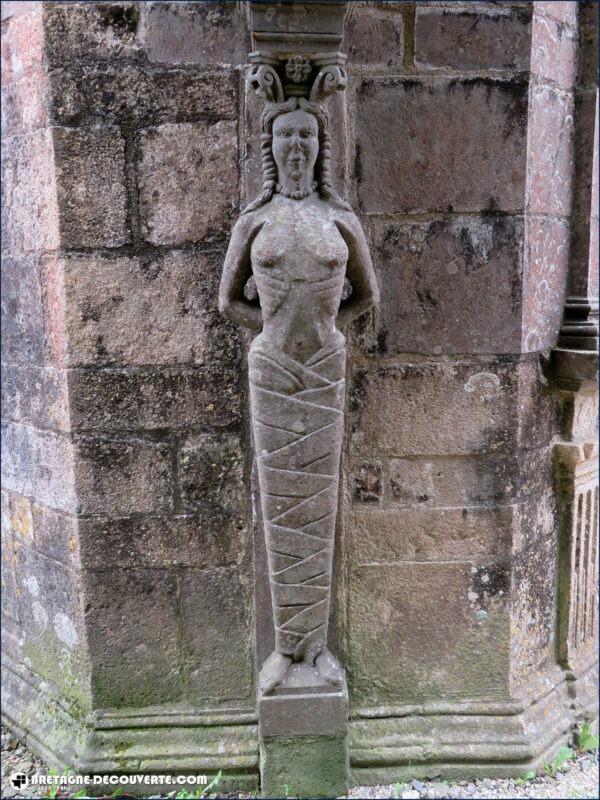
(303, 728)
(304, 766)
(472, 739)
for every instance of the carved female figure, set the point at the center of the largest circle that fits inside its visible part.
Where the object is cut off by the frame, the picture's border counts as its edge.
(298, 240)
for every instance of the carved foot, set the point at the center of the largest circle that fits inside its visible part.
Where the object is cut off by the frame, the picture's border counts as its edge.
(329, 668)
(273, 672)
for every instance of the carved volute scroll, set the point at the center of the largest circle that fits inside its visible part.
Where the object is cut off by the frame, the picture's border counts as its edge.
(299, 242)
(263, 78)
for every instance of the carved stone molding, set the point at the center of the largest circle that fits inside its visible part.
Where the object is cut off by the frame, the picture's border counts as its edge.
(298, 43)
(579, 329)
(291, 253)
(577, 480)
(275, 78)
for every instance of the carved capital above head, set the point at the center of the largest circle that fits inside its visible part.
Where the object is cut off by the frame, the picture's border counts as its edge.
(297, 49)
(330, 79)
(266, 83)
(276, 78)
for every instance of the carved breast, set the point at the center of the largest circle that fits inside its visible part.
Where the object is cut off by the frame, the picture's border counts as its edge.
(301, 246)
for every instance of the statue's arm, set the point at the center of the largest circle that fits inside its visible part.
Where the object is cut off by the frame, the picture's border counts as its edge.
(359, 271)
(236, 271)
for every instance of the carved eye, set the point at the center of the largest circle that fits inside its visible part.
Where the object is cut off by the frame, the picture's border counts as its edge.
(306, 133)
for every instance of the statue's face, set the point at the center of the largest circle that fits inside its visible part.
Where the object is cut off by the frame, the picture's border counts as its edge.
(295, 144)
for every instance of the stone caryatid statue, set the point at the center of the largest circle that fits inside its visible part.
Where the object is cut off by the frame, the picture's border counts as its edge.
(290, 253)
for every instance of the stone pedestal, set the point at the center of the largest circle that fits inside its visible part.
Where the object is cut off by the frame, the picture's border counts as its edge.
(303, 738)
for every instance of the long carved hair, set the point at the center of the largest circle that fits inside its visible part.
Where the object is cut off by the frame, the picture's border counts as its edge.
(268, 165)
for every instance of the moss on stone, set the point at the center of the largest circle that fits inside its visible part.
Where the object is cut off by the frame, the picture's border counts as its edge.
(65, 669)
(304, 766)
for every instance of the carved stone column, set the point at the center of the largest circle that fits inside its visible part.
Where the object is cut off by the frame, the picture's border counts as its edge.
(575, 362)
(296, 389)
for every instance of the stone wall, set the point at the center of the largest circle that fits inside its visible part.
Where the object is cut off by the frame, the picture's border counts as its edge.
(126, 440)
(449, 468)
(133, 570)
(44, 636)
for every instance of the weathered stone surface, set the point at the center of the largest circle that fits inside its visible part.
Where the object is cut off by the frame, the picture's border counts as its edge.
(445, 165)
(579, 415)
(12, 8)
(18, 446)
(133, 637)
(10, 604)
(302, 712)
(317, 765)
(56, 535)
(198, 162)
(53, 300)
(48, 608)
(15, 394)
(438, 641)
(29, 207)
(423, 534)
(91, 187)
(206, 33)
(48, 398)
(537, 515)
(367, 483)
(374, 35)
(564, 11)
(439, 482)
(533, 614)
(472, 39)
(119, 475)
(210, 473)
(53, 477)
(22, 43)
(36, 395)
(137, 94)
(24, 104)
(549, 151)
(19, 519)
(544, 280)
(147, 311)
(90, 31)
(149, 398)
(450, 285)
(207, 539)
(585, 113)
(553, 51)
(39, 464)
(22, 315)
(214, 601)
(537, 407)
(51, 618)
(413, 408)
(589, 21)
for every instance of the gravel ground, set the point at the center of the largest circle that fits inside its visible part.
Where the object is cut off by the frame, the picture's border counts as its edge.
(578, 778)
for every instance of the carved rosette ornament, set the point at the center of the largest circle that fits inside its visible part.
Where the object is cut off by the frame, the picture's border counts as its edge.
(291, 252)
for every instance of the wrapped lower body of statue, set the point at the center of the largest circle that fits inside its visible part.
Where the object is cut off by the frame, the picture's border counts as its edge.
(297, 417)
